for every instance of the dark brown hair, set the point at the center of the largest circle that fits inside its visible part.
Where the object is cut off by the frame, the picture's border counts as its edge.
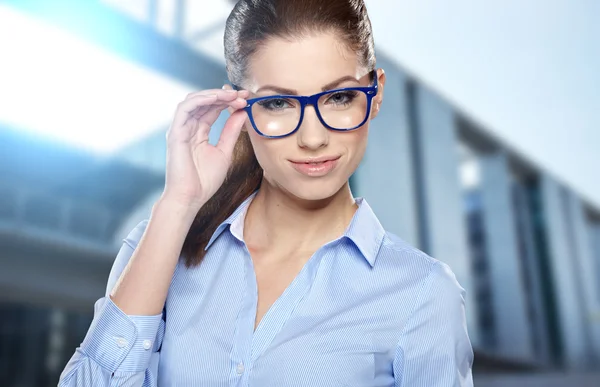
(250, 25)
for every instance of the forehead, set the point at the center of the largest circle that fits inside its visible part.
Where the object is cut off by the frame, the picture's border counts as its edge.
(304, 64)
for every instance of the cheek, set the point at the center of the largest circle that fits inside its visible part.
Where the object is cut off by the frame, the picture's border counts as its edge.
(356, 143)
(266, 150)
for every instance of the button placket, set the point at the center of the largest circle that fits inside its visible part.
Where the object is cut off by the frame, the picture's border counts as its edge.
(282, 309)
(240, 368)
(240, 355)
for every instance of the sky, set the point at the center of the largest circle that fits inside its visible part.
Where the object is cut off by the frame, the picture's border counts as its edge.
(529, 71)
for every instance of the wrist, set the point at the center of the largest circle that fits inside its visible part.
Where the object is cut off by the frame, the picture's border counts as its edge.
(185, 210)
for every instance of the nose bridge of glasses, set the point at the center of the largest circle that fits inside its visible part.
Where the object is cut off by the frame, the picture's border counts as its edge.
(312, 125)
(309, 100)
(314, 101)
(306, 101)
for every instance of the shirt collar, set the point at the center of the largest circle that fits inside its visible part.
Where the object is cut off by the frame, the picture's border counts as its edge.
(364, 230)
(235, 220)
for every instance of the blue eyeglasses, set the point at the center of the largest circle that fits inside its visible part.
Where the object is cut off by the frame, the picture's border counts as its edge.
(342, 110)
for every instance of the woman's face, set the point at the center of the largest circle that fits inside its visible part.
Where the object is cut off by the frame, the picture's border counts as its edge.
(305, 66)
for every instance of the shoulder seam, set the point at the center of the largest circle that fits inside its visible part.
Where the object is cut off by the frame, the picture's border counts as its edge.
(404, 247)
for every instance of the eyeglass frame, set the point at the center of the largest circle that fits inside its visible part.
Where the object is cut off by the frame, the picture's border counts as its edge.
(370, 92)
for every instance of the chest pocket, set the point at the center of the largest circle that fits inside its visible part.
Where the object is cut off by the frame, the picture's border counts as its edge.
(354, 361)
(370, 365)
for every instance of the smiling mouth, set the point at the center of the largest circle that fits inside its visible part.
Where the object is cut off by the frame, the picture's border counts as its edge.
(315, 160)
(316, 167)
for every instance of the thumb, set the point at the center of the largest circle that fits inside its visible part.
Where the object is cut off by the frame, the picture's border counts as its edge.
(231, 132)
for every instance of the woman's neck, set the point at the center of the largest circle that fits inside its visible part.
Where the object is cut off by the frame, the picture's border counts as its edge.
(279, 223)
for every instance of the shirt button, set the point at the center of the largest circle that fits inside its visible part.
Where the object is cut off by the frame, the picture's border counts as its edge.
(240, 368)
(147, 344)
(121, 342)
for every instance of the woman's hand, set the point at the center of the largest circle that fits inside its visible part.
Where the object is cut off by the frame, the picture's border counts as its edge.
(195, 169)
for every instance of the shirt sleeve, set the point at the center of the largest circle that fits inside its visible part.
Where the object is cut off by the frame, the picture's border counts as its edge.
(118, 349)
(434, 349)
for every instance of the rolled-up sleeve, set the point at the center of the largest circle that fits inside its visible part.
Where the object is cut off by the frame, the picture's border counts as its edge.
(434, 349)
(118, 349)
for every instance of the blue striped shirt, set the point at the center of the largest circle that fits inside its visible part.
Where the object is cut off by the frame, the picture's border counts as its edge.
(367, 309)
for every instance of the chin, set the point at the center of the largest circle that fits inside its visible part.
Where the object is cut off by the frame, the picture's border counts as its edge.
(316, 190)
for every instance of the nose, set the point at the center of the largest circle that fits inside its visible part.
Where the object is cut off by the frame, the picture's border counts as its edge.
(312, 134)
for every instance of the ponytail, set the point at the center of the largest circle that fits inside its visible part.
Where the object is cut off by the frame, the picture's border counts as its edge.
(243, 178)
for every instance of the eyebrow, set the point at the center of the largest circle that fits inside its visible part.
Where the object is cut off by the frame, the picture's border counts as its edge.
(329, 86)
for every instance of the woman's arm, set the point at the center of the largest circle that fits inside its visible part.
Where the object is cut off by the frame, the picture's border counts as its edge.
(115, 350)
(122, 343)
(121, 346)
(434, 349)
(143, 286)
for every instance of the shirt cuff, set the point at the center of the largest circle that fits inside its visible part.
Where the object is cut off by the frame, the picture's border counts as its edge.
(118, 342)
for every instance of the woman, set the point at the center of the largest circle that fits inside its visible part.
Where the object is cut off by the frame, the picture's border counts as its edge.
(257, 266)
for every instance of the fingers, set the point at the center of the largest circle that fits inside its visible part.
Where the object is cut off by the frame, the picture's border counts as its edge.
(209, 115)
(205, 106)
(188, 105)
(195, 101)
(200, 99)
(222, 93)
(231, 132)
(244, 94)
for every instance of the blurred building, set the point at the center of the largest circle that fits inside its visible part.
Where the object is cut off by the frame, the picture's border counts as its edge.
(524, 245)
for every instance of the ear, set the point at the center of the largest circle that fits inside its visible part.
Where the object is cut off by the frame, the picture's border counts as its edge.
(378, 99)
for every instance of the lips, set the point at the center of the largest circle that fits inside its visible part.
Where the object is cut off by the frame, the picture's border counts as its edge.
(315, 167)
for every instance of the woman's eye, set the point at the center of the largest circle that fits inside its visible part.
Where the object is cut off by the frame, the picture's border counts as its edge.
(275, 104)
(342, 98)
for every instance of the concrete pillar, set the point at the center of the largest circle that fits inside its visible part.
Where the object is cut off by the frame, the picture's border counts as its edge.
(594, 233)
(508, 293)
(569, 302)
(385, 177)
(441, 214)
(587, 275)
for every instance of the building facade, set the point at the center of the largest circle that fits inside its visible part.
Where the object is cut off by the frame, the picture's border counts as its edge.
(525, 246)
